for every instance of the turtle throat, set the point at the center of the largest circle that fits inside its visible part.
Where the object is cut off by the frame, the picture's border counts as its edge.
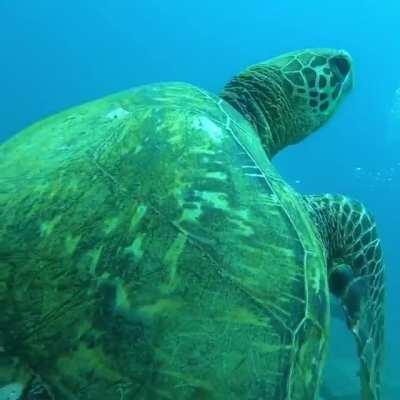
(260, 96)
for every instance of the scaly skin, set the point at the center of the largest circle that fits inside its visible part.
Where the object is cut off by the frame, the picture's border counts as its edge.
(356, 276)
(287, 98)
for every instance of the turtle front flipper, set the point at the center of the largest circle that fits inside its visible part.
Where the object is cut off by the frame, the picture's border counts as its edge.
(356, 276)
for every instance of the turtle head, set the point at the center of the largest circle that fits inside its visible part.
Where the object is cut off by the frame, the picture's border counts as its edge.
(289, 97)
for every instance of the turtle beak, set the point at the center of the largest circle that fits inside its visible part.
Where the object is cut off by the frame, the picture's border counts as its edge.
(341, 65)
(348, 82)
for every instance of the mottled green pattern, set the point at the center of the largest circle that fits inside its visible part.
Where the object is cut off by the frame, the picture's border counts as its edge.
(149, 250)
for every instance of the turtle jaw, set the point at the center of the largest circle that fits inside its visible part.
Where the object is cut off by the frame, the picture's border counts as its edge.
(341, 65)
(348, 83)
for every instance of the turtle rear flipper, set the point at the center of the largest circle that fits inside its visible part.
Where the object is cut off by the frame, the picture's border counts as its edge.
(356, 272)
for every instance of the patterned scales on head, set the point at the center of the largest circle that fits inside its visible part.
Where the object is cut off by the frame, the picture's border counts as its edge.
(150, 250)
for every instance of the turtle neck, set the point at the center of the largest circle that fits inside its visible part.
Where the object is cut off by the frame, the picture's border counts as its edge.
(260, 95)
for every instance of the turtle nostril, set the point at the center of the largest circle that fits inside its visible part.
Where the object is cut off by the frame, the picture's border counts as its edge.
(340, 66)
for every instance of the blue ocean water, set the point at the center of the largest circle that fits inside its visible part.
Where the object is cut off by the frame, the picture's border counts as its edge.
(57, 54)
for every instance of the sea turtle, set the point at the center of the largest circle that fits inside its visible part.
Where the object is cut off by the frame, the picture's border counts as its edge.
(150, 250)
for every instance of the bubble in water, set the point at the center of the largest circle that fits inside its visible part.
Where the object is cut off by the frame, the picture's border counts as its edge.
(395, 110)
(393, 128)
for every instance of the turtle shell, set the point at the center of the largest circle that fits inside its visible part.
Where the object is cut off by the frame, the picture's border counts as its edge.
(149, 250)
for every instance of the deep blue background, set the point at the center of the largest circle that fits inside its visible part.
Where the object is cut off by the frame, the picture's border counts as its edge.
(57, 54)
